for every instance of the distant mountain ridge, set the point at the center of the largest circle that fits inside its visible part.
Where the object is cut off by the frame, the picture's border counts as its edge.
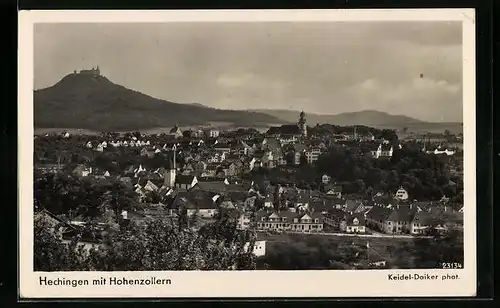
(91, 101)
(366, 117)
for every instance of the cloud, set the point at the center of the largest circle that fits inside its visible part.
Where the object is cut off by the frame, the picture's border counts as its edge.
(422, 98)
(320, 67)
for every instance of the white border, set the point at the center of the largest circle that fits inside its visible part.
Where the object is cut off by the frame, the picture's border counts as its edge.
(251, 283)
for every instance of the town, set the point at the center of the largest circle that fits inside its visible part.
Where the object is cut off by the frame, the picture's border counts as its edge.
(360, 185)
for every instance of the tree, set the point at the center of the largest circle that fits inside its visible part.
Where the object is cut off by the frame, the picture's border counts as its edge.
(161, 245)
(118, 198)
(50, 253)
(447, 247)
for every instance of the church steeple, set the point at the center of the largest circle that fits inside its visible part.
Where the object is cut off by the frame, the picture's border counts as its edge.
(171, 172)
(302, 123)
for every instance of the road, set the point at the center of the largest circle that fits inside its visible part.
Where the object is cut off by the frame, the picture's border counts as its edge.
(375, 235)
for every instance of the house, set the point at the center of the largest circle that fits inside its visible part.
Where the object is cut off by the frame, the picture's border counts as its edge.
(150, 186)
(50, 168)
(185, 181)
(438, 151)
(82, 171)
(267, 159)
(285, 133)
(196, 203)
(210, 186)
(383, 151)
(222, 147)
(367, 137)
(325, 179)
(212, 133)
(259, 248)
(399, 221)
(269, 201)
(242, 148)
(176, 132)
(354, 223)
(302, 202)
(210, 170)
(312, 155)
(249, 164)
(56, 225)
(334, 202)
(401, 194)
(250, 202)
(99, 148)
(243, 221)
(354, 206)
(334, 217)
(421, 222)
(376, 218)
(334, 190)
(199, 166)
(148, 152)
(187, 169)
(289, 221)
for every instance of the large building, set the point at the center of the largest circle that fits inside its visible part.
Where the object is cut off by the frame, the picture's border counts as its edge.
(290, 133)
(94, 71)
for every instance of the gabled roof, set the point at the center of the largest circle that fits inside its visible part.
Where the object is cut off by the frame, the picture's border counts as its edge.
(193, 200)
(350, 219)
(222, 146)
(184, 179)
(284, 130)
(386, 147)
(352, 205)
(174, 130)
(215, 186)
(337, 213)
(379, 213)
(423, 217)
(402, 214)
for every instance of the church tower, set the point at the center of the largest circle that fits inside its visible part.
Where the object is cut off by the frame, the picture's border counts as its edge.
(302, 124)
(171, 172)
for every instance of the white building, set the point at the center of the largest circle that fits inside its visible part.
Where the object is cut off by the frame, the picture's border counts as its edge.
(312, 155)
(383, 150)
(212, 133)
(259, 249)
(401, 194)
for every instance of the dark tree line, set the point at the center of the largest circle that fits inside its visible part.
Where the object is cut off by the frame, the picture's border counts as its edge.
(320, 252)
(67, 194)
(161, 244)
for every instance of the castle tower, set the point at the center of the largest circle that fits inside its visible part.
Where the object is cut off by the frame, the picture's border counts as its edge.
(302, 124)
(97, 71)
(171, 172)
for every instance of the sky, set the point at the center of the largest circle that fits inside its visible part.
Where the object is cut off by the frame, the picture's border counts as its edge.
(320, 67)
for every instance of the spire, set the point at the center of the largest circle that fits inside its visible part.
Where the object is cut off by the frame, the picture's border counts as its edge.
(174, 148)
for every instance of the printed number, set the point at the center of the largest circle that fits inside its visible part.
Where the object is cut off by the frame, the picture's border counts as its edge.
(451, 265)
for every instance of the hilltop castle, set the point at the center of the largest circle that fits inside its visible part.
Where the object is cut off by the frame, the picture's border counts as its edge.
(93, 71)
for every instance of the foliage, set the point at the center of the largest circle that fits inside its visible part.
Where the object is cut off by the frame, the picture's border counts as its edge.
(447, 247)
(161, 245)
(63, 194)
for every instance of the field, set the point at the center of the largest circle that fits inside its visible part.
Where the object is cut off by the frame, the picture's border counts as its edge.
(388, 249)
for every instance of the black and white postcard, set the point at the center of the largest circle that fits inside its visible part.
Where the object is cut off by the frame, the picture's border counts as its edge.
(304, 153)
